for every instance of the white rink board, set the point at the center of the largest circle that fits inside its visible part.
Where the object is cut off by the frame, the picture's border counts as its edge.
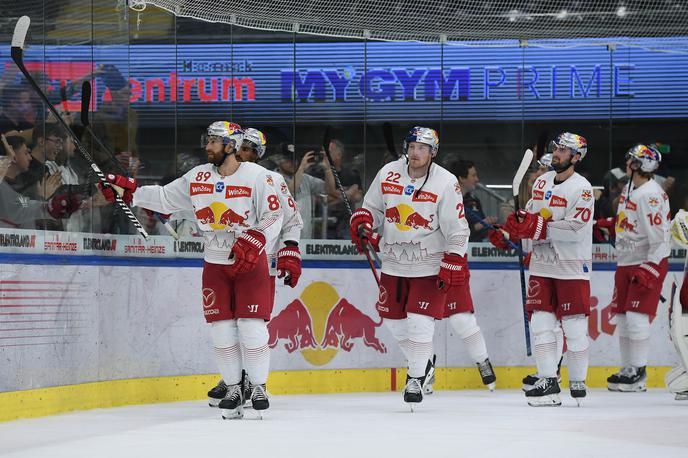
(94, 323)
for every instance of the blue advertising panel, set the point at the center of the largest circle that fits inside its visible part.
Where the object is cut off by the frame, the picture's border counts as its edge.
(340, 82)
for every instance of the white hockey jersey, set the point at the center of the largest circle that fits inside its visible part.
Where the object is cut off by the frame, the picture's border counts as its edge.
(224, 206)
(417, 228)
(291, 220)
(566, 253)
(642, 225)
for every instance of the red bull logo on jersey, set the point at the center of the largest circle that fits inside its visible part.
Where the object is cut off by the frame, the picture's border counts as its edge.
(653, 202)
(406, 218)
(391, 188)
(237, 191)
(320, 323)
(623, 224)
(200, 188)
(424, 196)
(219, 217)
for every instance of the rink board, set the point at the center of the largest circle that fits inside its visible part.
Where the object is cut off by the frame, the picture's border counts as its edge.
(67, 325)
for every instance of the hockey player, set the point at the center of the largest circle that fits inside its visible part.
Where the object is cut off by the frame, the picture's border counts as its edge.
(417, 207)
(642, 251)
(238, 212)
(284, 262)
(677, 378)
(558, 220)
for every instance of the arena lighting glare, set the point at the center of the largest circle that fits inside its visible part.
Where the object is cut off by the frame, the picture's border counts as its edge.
(621, 11)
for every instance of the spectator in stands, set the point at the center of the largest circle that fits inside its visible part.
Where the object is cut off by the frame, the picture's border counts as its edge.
(467, 174)
(18, 111)
(305, 187)
(351, 182)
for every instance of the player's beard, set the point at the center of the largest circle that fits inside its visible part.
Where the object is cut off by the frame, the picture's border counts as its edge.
(562, 166)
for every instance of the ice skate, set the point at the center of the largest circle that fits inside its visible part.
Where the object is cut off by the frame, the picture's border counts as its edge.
(682, 396)
(633, 380)
(487, 374)
(217, 393)
(232, 406)
(247, 389)
(430, 376)
(259, 399)
(531, 379)
(413, 391)
(578, 391)
(545, 393)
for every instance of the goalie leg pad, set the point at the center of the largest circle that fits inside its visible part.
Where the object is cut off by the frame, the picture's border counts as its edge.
(678, 325)
(677, 379)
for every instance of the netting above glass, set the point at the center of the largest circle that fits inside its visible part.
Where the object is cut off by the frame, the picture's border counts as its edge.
(436, 21)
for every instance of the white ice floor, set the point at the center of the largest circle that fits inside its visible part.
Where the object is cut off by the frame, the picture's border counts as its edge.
(471, 424)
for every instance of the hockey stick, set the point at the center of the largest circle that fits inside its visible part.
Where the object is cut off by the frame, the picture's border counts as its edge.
(18, 39)
(367, 248)
(389, 140)
(85, 102)
(515, 186)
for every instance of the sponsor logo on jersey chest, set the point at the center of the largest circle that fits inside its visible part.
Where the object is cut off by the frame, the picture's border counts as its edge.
(424, 196)
(201, 188)
(557, 201)
(219, 186)
(538, 195)
(389, 188)
(237, 191)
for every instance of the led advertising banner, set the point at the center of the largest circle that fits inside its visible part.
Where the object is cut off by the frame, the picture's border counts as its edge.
(310, 82)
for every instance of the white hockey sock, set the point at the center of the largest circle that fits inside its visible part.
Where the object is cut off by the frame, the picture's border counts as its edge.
(559, 336)
(624, 342)
(576, 332)
(399, 329)
(253, 334)
(542, 325)
(225, 338)
(421, 330)
(467, 329)
(639, 338)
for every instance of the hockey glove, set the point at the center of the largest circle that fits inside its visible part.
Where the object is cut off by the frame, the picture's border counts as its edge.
(63, 205)
(498, 239)
(453, 271)
(289, 264)
(361, 230)
(646, 275)
(246, 251)
(119, 184)
(526, 226)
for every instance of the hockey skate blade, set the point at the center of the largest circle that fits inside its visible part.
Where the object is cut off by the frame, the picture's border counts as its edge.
(214, 402)
(491, 386)
(613, 387)
(681, 396)
(551, 400)
(639, 387)
(232, 414)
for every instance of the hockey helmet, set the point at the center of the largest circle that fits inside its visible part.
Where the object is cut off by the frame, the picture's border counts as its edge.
(423, 135)
(256, 140)
(226, 132)
(577, 143)
(648, 157)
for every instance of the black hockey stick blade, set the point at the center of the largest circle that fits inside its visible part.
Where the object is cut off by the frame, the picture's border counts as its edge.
(85, 102)
(389, 140)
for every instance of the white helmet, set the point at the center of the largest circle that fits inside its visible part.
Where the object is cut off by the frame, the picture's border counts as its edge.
(423, 135)
(256, 139)
(577, 143)
(227, 131)
(648, 157)
(679, 228)
(545, 160)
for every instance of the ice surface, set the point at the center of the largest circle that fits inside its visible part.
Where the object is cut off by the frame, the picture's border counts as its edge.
(472, 424)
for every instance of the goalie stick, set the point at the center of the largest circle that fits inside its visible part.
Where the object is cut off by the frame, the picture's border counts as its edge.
(515, 186)
(17, 51)
(85, 102)
(368, 251)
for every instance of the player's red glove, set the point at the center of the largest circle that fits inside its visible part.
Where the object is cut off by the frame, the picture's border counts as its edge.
(127, 185)
(246, 251)
(526, 226)
(453, 271)
(646, 275)
(361, 230)
(289, 264)
(498, 239)
(63, 205)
